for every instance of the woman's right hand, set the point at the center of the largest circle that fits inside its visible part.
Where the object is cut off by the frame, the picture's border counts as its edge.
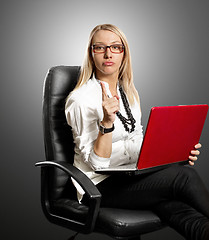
(110, 107)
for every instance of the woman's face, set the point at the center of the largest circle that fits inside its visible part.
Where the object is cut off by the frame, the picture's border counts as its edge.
(107, 63)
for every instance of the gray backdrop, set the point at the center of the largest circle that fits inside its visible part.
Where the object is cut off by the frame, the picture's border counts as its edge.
(169, 45)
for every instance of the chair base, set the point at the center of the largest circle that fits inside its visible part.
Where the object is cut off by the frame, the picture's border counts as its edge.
(75, 235)
(138, 238)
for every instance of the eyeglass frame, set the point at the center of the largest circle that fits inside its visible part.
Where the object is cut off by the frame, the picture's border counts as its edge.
(108, 46)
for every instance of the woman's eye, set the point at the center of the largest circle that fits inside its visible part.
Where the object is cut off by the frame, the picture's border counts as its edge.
(99, 47)
(115, 47)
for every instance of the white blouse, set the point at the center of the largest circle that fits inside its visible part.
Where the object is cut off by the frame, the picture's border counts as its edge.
(84, 112)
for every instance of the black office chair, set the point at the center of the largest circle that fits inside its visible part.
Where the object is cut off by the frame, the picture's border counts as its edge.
(57, 192)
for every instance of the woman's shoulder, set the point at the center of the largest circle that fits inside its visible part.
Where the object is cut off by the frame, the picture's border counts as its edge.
(87, 94)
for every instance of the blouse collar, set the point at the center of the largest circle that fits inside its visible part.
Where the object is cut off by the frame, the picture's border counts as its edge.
(106, 85)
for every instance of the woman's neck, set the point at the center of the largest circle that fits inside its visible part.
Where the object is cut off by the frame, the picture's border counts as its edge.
(111, 80)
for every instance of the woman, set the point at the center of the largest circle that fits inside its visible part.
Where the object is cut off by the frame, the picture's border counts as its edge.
(105, 116)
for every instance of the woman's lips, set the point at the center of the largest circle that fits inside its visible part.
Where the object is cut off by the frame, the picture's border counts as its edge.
(108, 63)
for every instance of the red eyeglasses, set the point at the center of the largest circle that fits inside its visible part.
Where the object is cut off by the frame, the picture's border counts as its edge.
(114, 48)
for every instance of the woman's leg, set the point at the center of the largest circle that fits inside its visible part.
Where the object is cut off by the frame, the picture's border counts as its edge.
(177, 194)
(184, 219)
(145, 191)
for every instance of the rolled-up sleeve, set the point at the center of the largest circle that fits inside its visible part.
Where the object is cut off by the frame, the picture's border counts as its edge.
(98, 162)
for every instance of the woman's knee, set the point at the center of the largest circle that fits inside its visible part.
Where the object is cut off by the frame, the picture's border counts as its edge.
(189, 172)
(185, 179)
(183, 171)
(188, 183)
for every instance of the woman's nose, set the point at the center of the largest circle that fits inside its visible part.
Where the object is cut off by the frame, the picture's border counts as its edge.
(108, 53)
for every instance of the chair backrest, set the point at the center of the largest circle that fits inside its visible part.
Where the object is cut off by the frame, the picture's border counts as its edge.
(58, 140)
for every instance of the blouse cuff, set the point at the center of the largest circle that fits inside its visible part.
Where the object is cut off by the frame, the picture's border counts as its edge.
(98, 162)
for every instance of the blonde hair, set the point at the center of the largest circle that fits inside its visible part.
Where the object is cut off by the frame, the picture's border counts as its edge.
(125, 71)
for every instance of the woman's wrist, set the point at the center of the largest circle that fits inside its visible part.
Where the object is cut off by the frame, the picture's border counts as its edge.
(105, 130)
(106, 124)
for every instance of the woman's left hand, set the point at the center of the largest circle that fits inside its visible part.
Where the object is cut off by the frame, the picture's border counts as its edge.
(194, 154)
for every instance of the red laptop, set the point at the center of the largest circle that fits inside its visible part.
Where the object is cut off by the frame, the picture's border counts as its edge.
(171, 134)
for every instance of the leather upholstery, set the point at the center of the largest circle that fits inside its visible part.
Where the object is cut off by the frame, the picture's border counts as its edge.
(58, 194)
(126, 223)
(57, 133)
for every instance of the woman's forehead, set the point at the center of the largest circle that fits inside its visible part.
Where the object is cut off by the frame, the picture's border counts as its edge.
(105, 36)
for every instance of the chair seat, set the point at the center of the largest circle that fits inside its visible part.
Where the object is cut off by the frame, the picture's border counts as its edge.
(115, 222)
(124, 223)
(70, 209)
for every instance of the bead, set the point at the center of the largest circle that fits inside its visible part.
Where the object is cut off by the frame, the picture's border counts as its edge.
(126, 121)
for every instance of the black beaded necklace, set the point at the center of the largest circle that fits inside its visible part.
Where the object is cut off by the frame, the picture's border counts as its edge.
(128, 123)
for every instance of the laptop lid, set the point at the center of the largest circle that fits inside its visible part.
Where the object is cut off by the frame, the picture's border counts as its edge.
(171, 133)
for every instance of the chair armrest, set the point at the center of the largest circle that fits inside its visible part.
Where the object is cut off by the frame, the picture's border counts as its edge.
(87, 185)
(91, 191)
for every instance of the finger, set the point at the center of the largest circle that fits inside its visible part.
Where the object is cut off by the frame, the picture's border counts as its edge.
(112, 110)
(199, 145)
(195, 152)
(104, 92)
(191, 163)
(111, 105)
(112, 100)
(117, 98)
(115, 109)
(193, 158)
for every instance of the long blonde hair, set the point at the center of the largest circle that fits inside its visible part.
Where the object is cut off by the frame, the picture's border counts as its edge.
(125, 71)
